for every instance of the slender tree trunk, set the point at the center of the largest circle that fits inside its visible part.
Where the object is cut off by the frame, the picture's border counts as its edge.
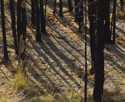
(33, 16)
(4, 31)
(92, 34)
(114, 16)
(99, 54)
(38, 35)
(76, 11)
(122, 5)
(13, 24)
(70, 5)
(19, 21)
(60, 9)
(22, 46)
(107, 22)
(42, 17)
(80, 15)
(54, 8)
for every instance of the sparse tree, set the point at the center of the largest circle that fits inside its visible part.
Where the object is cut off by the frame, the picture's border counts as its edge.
(4, 31)
(70, 5)
(99, 53)
(38, 35)
(60, 9)
(33, 12)
(13, 24)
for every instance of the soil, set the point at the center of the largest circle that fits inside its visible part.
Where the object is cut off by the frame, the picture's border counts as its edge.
(59, 60)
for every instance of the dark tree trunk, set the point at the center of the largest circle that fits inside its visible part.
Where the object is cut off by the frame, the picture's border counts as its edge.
(22, 46)
(19, 21)
(38, 35)
(80, 15)
(70, 5)
(13, 24)
(4, 31)
(33, 16)
(54, 8)
(99, 54)
(114, 16)
(122, 5)
(42, 17)
(92, 34)
(76, 11)
(60, 9)
(107, 22)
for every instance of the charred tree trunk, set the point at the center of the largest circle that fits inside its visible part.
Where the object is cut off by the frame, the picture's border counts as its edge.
(42, 17)
(4, 31)
(80, 15)
(114, 18)
(38, 35)
(13, 24)
(99, 53)
(107, 22)
(76, 11)
(19, 21)
(33, 16)
(22, 44)
(92, 34)
(122, 5)
(54, 8)
(60, 9)
(70, 5)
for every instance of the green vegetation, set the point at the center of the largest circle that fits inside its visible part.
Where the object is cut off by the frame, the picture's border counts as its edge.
(108, 55)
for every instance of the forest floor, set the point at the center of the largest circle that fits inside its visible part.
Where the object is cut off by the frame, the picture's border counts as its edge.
(56, 65)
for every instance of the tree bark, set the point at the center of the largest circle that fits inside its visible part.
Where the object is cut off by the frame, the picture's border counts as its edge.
(42, 17)
(38, 35)
(33, 15)
(70, 5)
(13, 24)
(60, 9)
(54, 8)
(99, 54)
(92, 34)
(4, 31)
(122, 5)
(19, 21)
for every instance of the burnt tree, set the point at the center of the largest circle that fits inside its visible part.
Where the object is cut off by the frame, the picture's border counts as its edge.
(38, 35)
(60, 9)
(13, 24)
(99, 53)
(42, 16)
(70, 5)
(92, 11)
(4, 31)
(33, 12)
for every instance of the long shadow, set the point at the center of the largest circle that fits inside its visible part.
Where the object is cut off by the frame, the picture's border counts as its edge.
(45, 48)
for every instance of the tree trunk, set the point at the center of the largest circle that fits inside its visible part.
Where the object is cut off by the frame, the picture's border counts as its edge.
(38, 35)
(60, 9)
(4, 31)
(114, 16)
(80, 15)
(19, 21)
(33, 16)
(42, 17)
(54, 8)
(70, 5)
(99, 53)
(76, 11)
(122, 5)
(92, 34)
(107, 22)
(13, 24)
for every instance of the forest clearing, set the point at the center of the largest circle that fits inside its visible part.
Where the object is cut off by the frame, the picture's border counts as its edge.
(55, 61)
